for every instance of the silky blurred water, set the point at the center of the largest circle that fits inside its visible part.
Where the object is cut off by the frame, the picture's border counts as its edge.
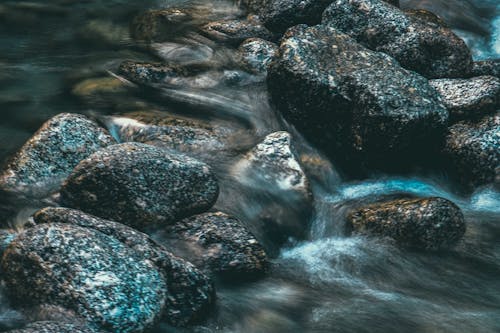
(326, 283)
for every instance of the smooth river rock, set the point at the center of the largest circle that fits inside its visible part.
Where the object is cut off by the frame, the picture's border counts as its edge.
(423, 223)
(417, 43)
(140, 185)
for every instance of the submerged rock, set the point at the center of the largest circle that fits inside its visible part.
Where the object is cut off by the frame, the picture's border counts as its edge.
(220, 244)
(140, 185)
(473, 149)
(257, 54)
(116, 290)
(346, 98)
(423, 223)
(469, 98)
(54, 327)
(51, 153)
(189, 292)
(278, 15)
(236, 31)
(160, 25)
(486, 67)
(418, 44)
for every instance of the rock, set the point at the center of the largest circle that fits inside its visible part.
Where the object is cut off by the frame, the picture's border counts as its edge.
(54, 327)
(278, 15)
(51, 153)
(101, 91)
(393, 2)
(140, 185)
(234, 32)
(416, 43)
(473, 149)
(423, 223)
(351, 101)
(486, 67)
(161, 25)
(116, 290)
(190, 292)
(469, 98)
(257, 54)
(220, 244)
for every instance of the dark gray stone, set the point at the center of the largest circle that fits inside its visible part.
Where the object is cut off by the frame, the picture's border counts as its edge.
(419, 44)
(473, 149)
(257, 54)
(234, 32)
(189, 292)
(469, 98)
(346, 98)
(54, 327)
(278, 15)
(140, 185)
(486, 67)
(84, 270)
(51, 153)
(424, 223)
(220, 244)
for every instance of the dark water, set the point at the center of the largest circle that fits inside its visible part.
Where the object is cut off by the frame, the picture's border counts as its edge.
(330, 283)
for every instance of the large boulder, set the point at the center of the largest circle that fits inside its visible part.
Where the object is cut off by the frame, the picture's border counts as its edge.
(54, 327)
(469, 98)
(423, 223)
(418, 43)
(234, 32)
(220, 244)
(344, 97)
(140, 185)
(473, 150)
(51, 153)
(189, 292)
(84, 270)
(278, 15)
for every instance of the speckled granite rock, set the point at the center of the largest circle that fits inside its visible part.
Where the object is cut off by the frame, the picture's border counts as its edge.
(424, 223)
(140, 185)
(116, 290)
(189, 292)
(473, 149)
(160, 25)
(469, 98)
(257, 54)
(148, 73)
(346, 98)
(220, 244)
(234, 32)
(486, 67)
(278, 15)
(417, 44)
(51, 153)
(54, 327)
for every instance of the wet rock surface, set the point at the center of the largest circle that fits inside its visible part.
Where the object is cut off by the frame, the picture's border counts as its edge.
(469, 98)
(257, 54)
(416, 43)
(116, 290)
(221, 245)
(362, 102)
(234, 32)
(54, 327)
(473, 150)
(278, 15)
(140, 185)
(423, 223)
(189, 292)
(51, 154)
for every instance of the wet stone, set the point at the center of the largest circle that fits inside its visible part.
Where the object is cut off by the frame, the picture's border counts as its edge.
(350, 100)
(473, 150)
(423, 223)
(469, 98)
(234, 32)
(486, 67)
(55, 327)
(421, 45)
(117, 290)
(52, 152)
(140, 185)
(257, 54)
(221, 245)
(190, 293)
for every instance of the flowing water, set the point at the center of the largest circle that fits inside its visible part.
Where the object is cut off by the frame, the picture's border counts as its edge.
(326, 283)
